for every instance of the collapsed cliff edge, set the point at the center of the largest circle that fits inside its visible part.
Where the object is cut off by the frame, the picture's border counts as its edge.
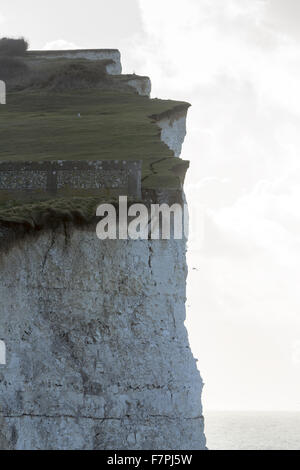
(97, 354)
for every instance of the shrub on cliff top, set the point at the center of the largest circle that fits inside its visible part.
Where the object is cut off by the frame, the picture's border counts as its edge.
(11, 66)
(13, 47)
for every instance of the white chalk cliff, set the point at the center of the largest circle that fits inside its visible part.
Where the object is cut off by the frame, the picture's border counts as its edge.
(97, 353)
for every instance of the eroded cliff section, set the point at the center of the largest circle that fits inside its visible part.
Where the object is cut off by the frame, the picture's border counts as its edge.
(97, 352)
(173, 131)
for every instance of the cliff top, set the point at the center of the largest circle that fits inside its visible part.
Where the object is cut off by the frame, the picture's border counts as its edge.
(79, 107)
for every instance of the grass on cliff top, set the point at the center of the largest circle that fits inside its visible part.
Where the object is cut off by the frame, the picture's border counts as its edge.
(42, 213)
(114, 125)
(39, 125)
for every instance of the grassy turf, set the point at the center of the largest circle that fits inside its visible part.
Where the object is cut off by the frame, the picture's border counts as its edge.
(114, 124)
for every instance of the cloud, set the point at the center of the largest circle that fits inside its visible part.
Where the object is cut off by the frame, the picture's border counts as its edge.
(244, 299)
(238, 63)
(200, 41)
(60, 44)
(284, 16)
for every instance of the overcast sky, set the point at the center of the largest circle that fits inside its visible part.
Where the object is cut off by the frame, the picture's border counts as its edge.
(238, 63)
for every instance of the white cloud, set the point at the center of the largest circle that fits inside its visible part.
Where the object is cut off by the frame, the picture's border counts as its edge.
(244, 298)
(60, 44)
(239, 66)
(199, 41)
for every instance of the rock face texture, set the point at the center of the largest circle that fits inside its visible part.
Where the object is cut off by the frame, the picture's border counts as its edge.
(173, 132)
(96, 348)
(141, 84)
(114, 55)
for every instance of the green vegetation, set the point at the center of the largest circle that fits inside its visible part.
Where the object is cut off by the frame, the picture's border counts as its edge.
(11, 65)
(39, 214)
(40, 125)
(13, 47)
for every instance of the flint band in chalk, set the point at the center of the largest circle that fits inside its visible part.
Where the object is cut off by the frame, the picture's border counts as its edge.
(62, 178)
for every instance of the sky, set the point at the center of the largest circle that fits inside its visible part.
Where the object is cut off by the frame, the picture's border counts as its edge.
(238, 63)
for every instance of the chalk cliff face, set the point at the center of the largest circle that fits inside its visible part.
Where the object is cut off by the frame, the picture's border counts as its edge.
(97, 352)
(173, 132)
(113, 55)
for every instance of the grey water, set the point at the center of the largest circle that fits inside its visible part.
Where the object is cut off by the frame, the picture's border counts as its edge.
(252, 430)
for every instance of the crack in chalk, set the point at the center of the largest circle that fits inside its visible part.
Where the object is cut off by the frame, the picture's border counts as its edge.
(31, 415)
(175, 417)
(154, 172)
(150, 258)
(94, 418)
(48, 250)
(174, 320)
(66, 234)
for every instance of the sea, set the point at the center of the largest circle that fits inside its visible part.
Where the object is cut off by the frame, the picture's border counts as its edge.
(252, 430)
